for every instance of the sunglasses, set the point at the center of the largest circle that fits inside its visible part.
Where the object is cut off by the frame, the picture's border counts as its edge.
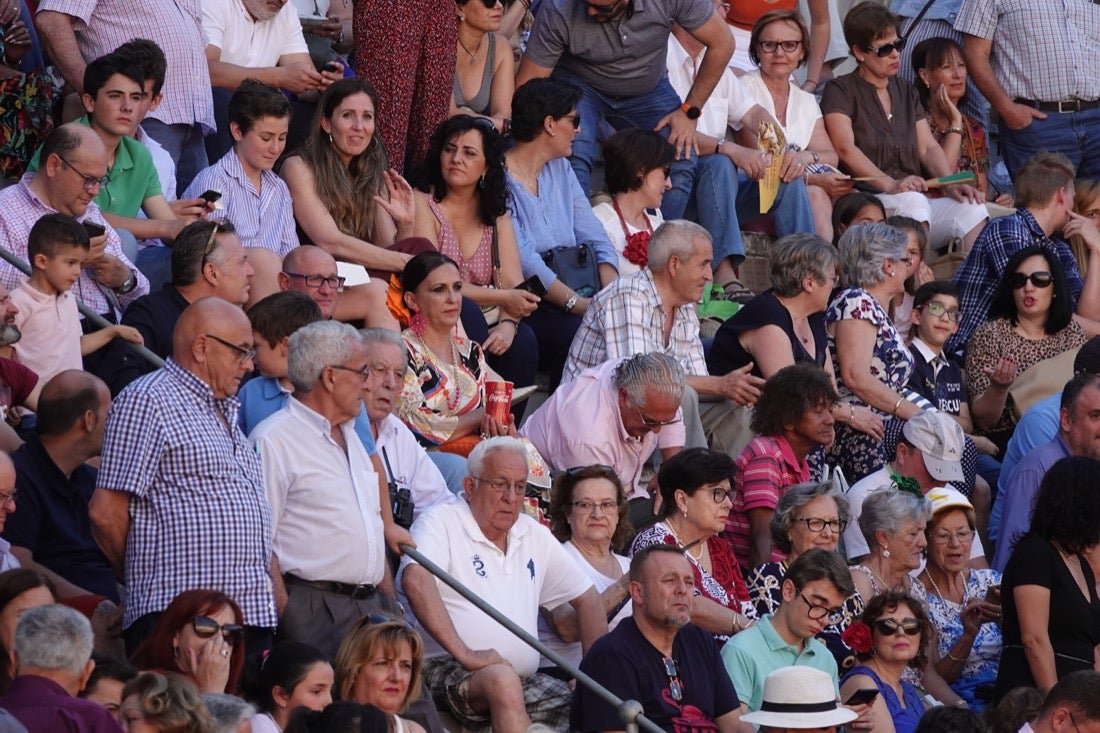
(890, 627)
(206, 627)
(490, 4)
(1039, 279)
(575, 119)
(675, 686)
(887, 48)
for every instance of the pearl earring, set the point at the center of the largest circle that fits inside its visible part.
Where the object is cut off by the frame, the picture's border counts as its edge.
(885, 552)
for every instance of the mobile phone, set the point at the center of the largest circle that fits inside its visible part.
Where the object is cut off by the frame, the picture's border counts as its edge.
(533, 285)
(863, 696)
(210, 195)
(331, 67)
(94, 230)
(993, 593)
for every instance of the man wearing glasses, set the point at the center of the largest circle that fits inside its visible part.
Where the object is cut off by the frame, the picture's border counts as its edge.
(179, 501)
(73, 170)
(658, 657)
(311, 270)
(486, 674)
(814, 590)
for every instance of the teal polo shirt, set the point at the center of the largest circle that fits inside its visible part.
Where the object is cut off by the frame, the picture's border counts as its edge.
(751, 655)
(133, 177)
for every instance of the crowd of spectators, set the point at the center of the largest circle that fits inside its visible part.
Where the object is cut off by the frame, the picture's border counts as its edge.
(279, 279)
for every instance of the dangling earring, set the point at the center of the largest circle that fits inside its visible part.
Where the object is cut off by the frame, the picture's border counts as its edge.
(481, 182)
(885, 552)
(418, 323)
(330, 138)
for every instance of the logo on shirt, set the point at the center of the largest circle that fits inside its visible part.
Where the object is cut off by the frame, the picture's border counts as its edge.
(479, 566)
(531, 567)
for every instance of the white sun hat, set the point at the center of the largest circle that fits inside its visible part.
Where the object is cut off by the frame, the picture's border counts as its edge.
(799, 697)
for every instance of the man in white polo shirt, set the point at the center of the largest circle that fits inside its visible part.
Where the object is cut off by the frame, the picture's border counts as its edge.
(473, 666)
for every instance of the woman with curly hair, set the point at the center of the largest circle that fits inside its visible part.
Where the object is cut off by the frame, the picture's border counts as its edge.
(1048, 592)
(893, 634)
(163, 703)
(588, 516)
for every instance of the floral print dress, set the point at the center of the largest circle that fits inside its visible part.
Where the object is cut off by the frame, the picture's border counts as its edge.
(858, 454)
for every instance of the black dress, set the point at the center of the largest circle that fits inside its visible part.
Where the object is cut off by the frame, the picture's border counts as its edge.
(1074, 625)
(765, 309)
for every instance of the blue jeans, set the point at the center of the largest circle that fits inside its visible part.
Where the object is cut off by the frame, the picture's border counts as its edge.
(724, 195)
(1076, 135)
(185, 144)
(621, 113)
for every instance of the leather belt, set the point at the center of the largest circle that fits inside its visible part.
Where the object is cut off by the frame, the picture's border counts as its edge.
(1065, 106)
(351, 590)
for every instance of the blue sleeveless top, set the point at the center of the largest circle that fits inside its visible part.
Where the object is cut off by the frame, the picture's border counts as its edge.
(905, 718)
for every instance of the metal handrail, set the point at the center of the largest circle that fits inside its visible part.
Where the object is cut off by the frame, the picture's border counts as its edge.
(630, 711)
(87, 312)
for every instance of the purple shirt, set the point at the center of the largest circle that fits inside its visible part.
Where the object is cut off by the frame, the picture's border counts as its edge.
(43, 706)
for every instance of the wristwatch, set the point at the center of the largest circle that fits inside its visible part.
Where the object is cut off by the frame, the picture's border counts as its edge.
(128, 286)
(692, 112)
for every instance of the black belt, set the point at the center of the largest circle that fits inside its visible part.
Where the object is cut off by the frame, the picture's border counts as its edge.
(351, 590)
(1063, 107)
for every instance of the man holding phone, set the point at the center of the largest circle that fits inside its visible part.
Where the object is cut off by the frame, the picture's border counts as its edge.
(814, 590)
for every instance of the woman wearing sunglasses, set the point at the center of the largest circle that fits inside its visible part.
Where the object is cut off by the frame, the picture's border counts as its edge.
(696, 499)
(201, 636)
(1030, 321)
(892, 635)
(882, 134)
(485, 72)
(550, 211)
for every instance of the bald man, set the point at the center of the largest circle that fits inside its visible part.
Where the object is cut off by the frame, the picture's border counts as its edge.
(180, 503)
(311, 270)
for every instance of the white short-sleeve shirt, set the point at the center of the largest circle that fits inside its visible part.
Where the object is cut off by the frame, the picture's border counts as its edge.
(246, 42)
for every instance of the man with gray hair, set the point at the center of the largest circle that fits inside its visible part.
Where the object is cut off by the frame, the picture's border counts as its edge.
(53, 656)
(654, 311)
(321, 481)
(613, 414)
(472, 665)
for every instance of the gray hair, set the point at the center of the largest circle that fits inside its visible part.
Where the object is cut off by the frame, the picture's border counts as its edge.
(228, 711)
(888, 509)
(864, 248)
(797, 256)
(655, 371)
(475, 462)
(796, 497)
(674, 238)
(53, 637)
(383, 336)
(315, 346)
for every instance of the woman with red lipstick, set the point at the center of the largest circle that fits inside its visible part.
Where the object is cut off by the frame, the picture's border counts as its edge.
(892, 635)
(1030, 321)
(881, 133)
(696, 499)
(379, 664)
(939, 64)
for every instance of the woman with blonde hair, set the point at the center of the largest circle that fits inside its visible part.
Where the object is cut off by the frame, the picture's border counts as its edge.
(163, 703)
(379, 663)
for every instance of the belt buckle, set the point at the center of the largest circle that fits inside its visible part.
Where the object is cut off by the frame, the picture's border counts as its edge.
(1066, 106)
(362, 590)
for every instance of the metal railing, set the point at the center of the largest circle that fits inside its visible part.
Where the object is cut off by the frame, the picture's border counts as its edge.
(91, 315)
(630, 711)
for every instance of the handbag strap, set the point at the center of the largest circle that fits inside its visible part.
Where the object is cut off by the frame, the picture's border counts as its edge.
(495, 250)
(913, 23)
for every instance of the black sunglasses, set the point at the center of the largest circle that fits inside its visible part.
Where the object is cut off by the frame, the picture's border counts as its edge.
(206, 627)
(890, 627)
(1039, 279)
(888, 48)
(490, 4)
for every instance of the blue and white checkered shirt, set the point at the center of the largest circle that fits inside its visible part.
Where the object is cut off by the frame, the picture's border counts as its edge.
(199, 515)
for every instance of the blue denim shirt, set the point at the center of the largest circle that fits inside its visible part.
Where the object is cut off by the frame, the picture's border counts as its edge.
(940, 10)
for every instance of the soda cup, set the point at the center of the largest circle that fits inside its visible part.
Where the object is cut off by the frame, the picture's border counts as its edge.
(498, 400)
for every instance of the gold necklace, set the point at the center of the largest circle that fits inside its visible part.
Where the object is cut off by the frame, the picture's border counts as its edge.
(475, 52)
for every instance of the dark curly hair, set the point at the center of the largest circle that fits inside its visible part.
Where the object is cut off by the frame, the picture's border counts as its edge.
(561, 501)
(1067, 512)
(688, 470)
(888, 602)
(1061, 309)
(790, 393)
(492, 190)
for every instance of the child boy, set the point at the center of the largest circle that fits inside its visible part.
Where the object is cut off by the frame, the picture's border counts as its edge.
(52, 342)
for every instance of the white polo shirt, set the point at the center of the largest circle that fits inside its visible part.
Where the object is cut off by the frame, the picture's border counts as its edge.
(325, 513)
(412, 468)
(536, 571)
(246, 42)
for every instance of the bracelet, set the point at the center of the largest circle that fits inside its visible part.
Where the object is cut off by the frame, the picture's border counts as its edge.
(570, 303)
(513, 321)
(950, 130)
(817, 158)
(851, 413)
(718, 147)
(953, 658)
(815, 82)
(897, 404)
(506, 127)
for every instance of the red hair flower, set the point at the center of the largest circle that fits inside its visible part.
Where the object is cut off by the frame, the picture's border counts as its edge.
(637, 248)
(858, 637)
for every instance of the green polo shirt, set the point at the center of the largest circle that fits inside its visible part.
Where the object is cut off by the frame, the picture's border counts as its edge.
(133, 177)
(756, 652)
